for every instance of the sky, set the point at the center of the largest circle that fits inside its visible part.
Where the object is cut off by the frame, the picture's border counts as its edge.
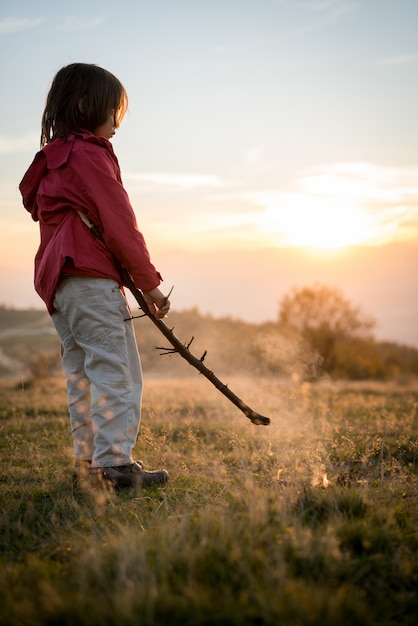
(269, 144)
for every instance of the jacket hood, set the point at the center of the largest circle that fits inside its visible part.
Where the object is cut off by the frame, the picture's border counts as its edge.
(30, 183)
(52, 156)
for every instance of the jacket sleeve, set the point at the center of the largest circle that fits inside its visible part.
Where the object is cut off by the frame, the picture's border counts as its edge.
(96, 173)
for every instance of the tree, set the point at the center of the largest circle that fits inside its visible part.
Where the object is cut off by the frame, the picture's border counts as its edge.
(325, 319)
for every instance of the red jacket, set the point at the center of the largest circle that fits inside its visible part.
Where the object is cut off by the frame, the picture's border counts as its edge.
(83, 173)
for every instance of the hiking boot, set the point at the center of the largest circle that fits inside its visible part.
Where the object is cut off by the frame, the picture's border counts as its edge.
(126, 476)
(81, 473)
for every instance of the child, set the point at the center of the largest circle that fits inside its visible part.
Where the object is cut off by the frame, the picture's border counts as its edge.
(75, 274)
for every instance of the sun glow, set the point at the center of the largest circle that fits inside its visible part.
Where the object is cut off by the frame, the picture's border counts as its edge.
(316, 222)
(341, 205)
(328, 208)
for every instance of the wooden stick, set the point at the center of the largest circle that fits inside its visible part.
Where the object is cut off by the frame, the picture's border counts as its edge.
(183, 350)
(178, 346)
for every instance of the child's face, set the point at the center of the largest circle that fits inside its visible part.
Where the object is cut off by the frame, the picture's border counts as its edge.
(106, 130)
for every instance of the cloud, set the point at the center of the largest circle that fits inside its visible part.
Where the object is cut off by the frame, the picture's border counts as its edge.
(174, 180)
(353, 202)
(400, 59)
(362, 179)
(10, 25)
(10, 145)
(72, 23)
(329, 206)
(69, 23)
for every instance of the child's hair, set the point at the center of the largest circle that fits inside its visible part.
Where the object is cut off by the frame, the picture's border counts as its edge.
(82, 97)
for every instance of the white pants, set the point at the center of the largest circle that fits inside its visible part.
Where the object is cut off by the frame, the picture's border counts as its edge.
(102, 367)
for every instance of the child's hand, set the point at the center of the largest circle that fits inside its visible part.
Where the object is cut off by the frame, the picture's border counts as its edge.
(157, 302)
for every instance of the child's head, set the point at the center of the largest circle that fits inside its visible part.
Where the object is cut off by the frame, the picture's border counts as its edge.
(82, 97)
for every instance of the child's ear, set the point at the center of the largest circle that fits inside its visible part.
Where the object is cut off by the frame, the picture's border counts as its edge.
(81, 105)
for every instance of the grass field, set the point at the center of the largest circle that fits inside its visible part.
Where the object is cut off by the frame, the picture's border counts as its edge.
(311, 520)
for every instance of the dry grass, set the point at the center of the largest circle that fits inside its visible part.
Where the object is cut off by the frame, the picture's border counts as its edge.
(311, 520)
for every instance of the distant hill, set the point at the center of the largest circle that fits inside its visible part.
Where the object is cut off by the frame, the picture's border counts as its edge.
(23, 333)
(29, 346)
(249, 284)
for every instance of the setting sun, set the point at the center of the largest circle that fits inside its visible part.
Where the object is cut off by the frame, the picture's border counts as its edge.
(302, 220)
(338, 205)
